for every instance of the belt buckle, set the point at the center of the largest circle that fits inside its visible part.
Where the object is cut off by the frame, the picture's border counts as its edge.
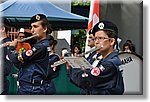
(36, 81)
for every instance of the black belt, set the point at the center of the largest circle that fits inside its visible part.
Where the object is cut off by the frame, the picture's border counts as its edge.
(41, 82)
(35, 82)
(48, 81)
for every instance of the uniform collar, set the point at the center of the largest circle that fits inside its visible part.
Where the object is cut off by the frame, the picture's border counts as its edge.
(111, 55)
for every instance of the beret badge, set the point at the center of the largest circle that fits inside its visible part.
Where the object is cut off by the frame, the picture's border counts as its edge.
(37, 17)
(101, 25)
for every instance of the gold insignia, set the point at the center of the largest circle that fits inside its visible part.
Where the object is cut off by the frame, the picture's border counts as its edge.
(37, 17)
(101, 26)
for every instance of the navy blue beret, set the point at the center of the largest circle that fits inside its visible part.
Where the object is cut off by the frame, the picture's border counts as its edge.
(37, 17)
(106, 26)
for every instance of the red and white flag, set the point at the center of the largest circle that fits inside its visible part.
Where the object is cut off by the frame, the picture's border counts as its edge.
(94, 13)
(94, 16)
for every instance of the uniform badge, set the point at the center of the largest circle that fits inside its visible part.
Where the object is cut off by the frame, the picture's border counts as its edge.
(95, 71)
(37, 17)
(101, 25)
(102, 68)
(29, 52)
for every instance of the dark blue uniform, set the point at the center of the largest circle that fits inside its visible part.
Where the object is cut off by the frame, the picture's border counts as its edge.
(105, 79)
(50, 88)
(33, 67)
(6, 65)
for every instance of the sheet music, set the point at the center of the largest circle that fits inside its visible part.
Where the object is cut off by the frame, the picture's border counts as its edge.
(78, 62)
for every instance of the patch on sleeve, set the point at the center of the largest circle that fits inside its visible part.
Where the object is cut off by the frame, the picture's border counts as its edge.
(102, 68)
(95, 71)
(29, 53)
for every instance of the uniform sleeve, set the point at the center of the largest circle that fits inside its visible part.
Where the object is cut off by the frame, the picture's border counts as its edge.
(53, 59)
(77, 78)
(52, 74)
(37, 52)
(102, 74)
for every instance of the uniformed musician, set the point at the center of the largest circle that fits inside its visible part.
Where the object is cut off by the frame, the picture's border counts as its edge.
(33, 63)
(93, 56)
(53, 71)
(105, 78)
(6, 64)
(91, 40)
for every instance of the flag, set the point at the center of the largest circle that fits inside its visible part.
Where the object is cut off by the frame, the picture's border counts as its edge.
(94, 16)
(94, 13)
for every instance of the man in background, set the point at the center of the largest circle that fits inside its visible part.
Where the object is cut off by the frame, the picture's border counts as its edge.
(91, 41)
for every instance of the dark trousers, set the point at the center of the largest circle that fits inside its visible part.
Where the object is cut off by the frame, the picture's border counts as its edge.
(5, 87)
(44, 88)
(50, 88)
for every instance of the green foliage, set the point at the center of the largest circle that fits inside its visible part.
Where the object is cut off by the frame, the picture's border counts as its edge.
(80, 2)
(80, 38)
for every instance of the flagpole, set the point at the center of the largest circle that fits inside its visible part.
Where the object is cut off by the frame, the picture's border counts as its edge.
(94, 15)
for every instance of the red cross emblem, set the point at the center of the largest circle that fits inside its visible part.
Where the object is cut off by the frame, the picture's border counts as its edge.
(29, 52)
(95, 71)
